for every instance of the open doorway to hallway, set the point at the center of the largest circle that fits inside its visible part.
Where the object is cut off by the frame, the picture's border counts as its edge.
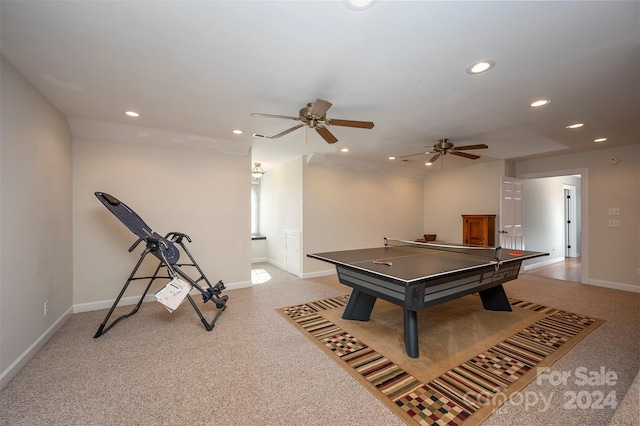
(568, 269)
(556, 222)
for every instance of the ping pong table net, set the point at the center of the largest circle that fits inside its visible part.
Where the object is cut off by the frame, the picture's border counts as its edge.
(167, 251)
(491, 253)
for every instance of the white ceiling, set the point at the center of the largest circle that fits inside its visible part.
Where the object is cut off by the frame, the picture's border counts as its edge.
(196, 70)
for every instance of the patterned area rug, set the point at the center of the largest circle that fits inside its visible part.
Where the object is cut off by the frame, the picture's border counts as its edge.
(463, 393)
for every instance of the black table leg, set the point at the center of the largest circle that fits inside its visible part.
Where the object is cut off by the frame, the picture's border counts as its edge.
(359, 306)
(495, 299)
(411, 333)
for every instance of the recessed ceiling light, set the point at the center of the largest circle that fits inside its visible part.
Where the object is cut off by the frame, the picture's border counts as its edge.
(540, 102)
(600, 140)
(132, 114)
(392, 158)
(359, 4)
(481, 66)
(429, 163)
(345, 150)
(575, 126)
(238, 132)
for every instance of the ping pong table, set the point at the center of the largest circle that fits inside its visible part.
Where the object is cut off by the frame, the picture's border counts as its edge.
(418, 275)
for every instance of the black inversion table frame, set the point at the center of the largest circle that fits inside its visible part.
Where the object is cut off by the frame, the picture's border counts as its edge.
(165, 249)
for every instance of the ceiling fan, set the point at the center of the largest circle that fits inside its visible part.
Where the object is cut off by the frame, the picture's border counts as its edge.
(444, 147)
(314, 115)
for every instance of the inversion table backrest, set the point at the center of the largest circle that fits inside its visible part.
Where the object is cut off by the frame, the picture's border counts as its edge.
(131, 220)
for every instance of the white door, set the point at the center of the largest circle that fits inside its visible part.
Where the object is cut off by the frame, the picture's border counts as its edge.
(292, 252)
(511, 229)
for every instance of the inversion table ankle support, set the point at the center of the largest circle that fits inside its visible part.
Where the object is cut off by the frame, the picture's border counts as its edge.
(166, 250)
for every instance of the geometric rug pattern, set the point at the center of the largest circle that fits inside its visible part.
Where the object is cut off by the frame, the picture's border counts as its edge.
(454, 396)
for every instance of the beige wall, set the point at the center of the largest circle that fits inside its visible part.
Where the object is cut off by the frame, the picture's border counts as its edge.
(35, 221)
(203, 194)
(348, 209)
(448, 194)
(614, 253)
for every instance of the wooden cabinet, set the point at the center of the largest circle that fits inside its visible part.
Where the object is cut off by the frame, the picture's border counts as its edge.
(479, 229)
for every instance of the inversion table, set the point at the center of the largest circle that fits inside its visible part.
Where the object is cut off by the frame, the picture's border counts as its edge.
(165, 249)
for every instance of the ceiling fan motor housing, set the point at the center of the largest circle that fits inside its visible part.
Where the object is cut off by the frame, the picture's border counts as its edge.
(443, 146)
(310, 119)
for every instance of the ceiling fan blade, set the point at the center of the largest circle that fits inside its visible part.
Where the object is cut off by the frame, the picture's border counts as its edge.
(326, 134)
(435, 157)
(320, 108)
(465, 155)
(479, 146)
(413, 155)
(351, 123)
(287, 131)
(288, 117)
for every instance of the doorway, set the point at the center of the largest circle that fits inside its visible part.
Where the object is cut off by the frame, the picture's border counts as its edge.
(557, 224)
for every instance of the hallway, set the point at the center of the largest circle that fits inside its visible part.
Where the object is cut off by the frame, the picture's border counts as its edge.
(569, 270)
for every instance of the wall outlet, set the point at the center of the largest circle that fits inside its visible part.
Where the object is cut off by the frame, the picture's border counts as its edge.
(46, 308)
(614, 211)
(614, 223)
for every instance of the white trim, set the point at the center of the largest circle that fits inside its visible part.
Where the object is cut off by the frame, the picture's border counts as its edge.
(544, 263)
(584, 209)
(17, 365)
(616, 286)
(236, 286)
(319, 274)
(276, 264)
(106, 304)
(132, 300)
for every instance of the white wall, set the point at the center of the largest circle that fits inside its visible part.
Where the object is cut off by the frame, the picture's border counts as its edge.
(280, 207)
(258, 251)
(203, 194)
(35, 221)
(614, 253)
(349, 209)
(448, 194)
(544, 216)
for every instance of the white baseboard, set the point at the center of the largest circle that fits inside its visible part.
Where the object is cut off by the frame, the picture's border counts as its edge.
(235, 286)
(32, 350)
(615, 286)
(106, 304)
(258, 259)
(319, 274)
(544, 263)
(132, 300)
(276, 264)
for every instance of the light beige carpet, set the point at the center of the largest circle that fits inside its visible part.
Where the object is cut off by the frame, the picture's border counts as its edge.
(471, 360)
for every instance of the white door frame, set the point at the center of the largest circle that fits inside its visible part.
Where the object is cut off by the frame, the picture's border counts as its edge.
(571, 220)
(584, 211)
